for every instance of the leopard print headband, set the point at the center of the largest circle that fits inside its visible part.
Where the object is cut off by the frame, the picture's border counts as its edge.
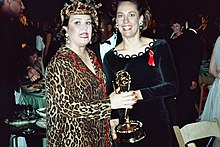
(79, 8)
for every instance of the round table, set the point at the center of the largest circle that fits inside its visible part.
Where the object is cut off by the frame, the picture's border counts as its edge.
(35, 97)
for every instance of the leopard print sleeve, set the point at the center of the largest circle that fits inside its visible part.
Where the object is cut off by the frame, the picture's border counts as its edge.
(74, 92)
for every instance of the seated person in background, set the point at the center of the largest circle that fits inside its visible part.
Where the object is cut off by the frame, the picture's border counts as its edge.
(33, 62)
(11, 71)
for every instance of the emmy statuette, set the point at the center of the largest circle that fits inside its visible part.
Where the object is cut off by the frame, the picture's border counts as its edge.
(131, 131)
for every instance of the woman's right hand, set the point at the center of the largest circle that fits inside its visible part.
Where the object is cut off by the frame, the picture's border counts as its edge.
(123, 99)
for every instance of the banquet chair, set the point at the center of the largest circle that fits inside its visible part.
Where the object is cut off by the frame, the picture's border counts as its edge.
(203, 82)
(195, 131)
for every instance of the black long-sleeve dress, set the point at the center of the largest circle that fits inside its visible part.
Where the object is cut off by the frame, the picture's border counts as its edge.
(155, 82)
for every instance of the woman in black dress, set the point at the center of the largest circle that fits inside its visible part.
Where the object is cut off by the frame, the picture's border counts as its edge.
(153, 75)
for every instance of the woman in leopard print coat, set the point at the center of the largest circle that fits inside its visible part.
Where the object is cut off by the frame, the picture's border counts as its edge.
(78, 110)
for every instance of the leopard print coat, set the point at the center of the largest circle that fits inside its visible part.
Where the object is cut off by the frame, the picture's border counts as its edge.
(78, 111)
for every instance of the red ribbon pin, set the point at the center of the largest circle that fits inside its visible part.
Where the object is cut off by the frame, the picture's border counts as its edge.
(151, 58)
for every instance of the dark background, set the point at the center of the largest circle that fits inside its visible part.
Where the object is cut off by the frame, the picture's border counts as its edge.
(162, 10)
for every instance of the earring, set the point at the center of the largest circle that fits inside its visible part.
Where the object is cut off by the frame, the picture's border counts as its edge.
(67, 41)
(141, 25)
(116, 28)
(67, 38)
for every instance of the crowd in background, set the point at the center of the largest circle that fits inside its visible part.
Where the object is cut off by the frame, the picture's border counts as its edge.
(46, 29)
(40, 37)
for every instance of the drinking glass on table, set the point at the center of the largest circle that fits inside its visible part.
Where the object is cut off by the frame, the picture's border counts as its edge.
(29, 114)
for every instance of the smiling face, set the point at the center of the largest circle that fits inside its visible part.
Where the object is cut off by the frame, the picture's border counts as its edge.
(80, 29)
(176, 27)
(128, 19)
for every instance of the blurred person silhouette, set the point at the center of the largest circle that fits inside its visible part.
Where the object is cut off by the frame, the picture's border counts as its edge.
(153, 76)
(52, 43)
(108, 38)
(211, 109)
(78, 109)
(44, 38)
(187, 53)
(10, 62)
(208, 33)
(40, 41)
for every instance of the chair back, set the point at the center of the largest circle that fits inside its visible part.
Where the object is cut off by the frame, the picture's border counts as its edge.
(195, 131)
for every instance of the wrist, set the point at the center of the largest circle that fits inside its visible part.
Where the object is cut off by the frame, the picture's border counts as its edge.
(29, 67)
